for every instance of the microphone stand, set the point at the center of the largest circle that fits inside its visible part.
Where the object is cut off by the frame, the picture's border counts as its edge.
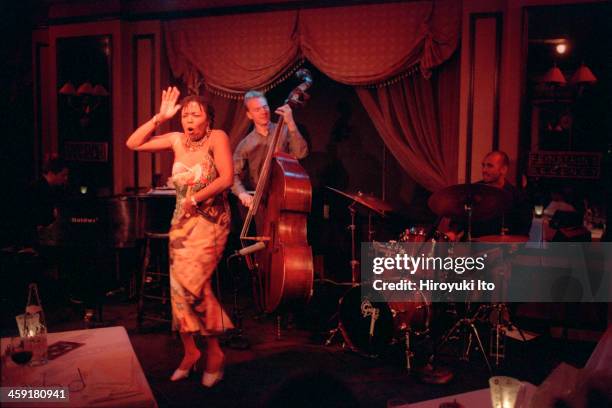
(235, 338)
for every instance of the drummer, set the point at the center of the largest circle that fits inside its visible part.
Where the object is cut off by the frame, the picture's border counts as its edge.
(516, 220)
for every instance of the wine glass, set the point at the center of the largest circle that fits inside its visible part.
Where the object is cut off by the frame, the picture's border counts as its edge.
(20, 352)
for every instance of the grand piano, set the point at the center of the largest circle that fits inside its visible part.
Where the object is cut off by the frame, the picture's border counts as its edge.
(97, 242)
(113, 222)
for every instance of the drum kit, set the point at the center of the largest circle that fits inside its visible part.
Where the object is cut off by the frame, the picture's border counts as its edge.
(368, 327)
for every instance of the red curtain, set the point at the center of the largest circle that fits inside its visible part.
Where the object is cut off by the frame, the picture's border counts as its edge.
(418, 121)
(233, 53)
(355, 45)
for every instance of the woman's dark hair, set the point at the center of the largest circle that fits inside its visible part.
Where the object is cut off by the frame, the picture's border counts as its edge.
(206, 106)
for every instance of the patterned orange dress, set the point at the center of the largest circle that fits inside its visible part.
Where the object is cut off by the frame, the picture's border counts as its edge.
(196, 245)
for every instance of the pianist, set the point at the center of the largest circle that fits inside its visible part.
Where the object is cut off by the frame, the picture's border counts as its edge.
(43, 198)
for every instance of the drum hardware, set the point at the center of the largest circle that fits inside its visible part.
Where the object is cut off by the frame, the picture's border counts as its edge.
(354, 262)
(332, 335)
(463, 324)
(409, 353)
(371, 203)
(465, 328)
(497, 314)
(474, 202)
(367, 200)
(379, 206)
(367, 327)
(499, 318)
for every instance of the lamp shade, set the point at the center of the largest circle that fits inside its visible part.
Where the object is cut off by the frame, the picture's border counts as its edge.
(67, 89)
(99, 90)
(85, 89)
(583, 75)
(554, 76)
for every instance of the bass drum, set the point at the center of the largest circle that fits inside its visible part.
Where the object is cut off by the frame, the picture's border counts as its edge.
(367, 327)
(413, 316)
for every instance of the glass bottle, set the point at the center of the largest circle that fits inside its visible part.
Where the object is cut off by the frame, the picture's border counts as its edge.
(35, 327)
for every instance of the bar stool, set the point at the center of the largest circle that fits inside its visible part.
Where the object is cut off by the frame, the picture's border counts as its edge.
(154, 299)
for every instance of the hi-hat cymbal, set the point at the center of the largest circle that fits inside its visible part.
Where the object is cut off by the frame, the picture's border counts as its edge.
(367, 200)
(486, 201)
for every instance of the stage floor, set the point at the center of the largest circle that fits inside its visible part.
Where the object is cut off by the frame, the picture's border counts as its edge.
(252, 375)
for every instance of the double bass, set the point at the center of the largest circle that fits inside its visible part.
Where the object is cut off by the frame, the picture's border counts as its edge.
(281, 258)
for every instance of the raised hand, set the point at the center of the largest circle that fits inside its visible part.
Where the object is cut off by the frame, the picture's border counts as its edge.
(168, 107)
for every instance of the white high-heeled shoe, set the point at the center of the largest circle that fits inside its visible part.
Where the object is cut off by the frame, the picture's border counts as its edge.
(209, 380)
(180, 374)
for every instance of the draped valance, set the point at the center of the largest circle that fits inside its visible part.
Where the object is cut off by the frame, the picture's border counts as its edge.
(355, 45)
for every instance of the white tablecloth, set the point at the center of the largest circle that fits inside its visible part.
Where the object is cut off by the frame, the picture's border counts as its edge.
(110, 370)
(473, 399)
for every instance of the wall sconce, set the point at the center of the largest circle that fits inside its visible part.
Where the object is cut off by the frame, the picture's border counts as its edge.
(554, 76)
(582, 76)
(85, 99)
(555, 83)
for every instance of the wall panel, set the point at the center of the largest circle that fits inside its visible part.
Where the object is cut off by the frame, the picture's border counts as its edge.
(483, 98)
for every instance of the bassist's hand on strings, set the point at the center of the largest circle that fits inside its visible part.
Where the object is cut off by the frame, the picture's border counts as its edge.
(287, 114)
(246, 199)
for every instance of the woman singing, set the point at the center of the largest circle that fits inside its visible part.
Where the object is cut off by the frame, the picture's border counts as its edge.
(202, 172)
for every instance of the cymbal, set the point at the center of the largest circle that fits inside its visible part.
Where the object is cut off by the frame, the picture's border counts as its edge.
(502, 238)
(487, 202)
(367, 200)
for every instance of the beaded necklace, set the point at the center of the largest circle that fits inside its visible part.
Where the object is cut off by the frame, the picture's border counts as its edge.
(192, 145)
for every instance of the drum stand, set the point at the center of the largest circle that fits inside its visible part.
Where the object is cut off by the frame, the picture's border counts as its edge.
(354, 263)
(500, 319)
(354, 269)
(409, 353)
(467, 323)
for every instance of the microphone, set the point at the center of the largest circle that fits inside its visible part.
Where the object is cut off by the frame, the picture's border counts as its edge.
(250, 249)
